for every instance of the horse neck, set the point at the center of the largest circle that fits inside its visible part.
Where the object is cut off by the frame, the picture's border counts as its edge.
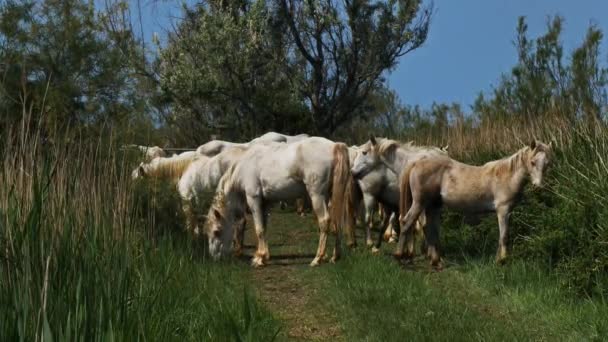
(166, 168)
(515, 165)
(210, 176)
(396, 161)
(399, 160)
(233, 201)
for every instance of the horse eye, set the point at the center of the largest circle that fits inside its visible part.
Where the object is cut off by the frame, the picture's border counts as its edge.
(534, 163)
(364, 153)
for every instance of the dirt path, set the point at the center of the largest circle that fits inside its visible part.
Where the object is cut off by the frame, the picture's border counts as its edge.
(286, 286)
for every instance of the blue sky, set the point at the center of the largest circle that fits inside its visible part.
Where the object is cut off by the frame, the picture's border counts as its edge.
(469, 45)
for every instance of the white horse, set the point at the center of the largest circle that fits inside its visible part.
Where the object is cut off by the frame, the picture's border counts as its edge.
(214, 147)
(278, 137)
(265, 174)
(170, 168)
(149, 152)
(201, 177)
(380, 183)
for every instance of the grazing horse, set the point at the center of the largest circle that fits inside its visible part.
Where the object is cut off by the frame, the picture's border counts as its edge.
(150, 152)
(431, 183)
(214, 147)
(269, 173)
(170, 168)
(202, 176)
(376, 168)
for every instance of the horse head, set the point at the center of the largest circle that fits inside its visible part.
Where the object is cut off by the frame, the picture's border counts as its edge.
(537, 160)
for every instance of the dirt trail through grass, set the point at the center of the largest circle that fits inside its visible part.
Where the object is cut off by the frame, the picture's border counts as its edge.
(295, 299)
(363, 296)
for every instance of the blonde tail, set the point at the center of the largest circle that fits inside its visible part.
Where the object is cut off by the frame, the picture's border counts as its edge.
(405, 192)
(342, 181)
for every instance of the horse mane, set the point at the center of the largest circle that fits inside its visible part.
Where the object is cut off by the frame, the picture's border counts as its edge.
(385, 145)
(509, 164)
(172, 167)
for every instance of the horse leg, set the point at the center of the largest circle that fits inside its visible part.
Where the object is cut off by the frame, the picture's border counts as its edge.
(192, 225)
(503, 213)
(239, 235)
(300, 209)
(411, 237)
(433, 220)
(320, 207)
(259, 220)
(370, 205)
(336, 254)
(385, 221)
(392, 229)
(406, 224)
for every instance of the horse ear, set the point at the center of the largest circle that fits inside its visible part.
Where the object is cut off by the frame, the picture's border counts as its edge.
(533, 144)
(372, 139)
(217, 214)
(551, 145)
(445, 148)
(141, 171)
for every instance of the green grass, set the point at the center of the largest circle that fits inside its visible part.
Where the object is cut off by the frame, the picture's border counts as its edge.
(85, 254)
(380, 300)
(82, 257)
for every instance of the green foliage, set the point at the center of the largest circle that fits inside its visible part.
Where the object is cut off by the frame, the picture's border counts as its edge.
(223, 71)
(542, 83)
(64, 66)
(81, 258)
(243, 68)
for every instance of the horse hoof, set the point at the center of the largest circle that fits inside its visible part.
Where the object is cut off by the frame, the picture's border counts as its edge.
(398, 256)
(369, 243)
(333, 260)
(257, 262)
(392, 240)
(375, 250)
(315, 263)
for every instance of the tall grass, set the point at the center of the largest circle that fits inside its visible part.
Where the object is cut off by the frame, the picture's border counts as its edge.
(79, 260)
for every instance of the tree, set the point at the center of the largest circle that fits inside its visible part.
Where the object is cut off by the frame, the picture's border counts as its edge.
(344, 47)
(257, 65)
(223, 72)
(62, 67)
(541, 83)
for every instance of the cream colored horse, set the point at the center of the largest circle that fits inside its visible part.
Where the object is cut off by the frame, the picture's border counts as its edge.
(431, 183)
(150, 152)
(170, 168)
(201, 177)
(265, 174)
(278, 137)
(376, 167)
(214, 147)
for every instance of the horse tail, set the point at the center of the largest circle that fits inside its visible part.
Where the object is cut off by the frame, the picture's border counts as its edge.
(405, 191)
(342, 184)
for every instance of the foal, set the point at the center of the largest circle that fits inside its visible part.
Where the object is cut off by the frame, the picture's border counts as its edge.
(429, 184)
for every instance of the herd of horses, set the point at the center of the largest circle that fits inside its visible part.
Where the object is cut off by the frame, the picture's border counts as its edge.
(343, 185)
